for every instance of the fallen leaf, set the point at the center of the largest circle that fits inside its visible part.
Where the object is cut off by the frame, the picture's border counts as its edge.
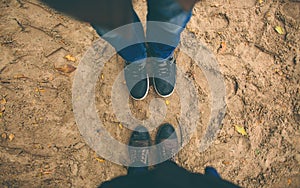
(289, 182)
(121, 126)
(257, 152)
(70, 58)
(241, 130)
(226, 162)
(40, 90)
(100, 160)
(3, 101)
(66, 68)
(167, 102)
(102, 76)
(47, 172)
(11, 137)
(4, 135)
(260, 1)
(279, 30)
(2, 106)
(222, 47)
(19, 76)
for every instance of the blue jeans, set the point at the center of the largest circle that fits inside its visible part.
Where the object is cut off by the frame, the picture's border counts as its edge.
(167, 11)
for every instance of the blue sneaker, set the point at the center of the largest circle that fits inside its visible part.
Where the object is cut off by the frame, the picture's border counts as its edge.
(167, 142)
(164, 76)
(137, 80)
(140, 140)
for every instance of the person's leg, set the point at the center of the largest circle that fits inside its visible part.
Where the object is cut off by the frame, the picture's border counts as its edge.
(129, 42)
(137, 170)
(166, 20)
(210, 171)
(174, 19)
(130, 36)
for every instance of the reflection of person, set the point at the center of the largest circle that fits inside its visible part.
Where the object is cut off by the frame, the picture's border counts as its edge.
(107, 15)
(166, 174)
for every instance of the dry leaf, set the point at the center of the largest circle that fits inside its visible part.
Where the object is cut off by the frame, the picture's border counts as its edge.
(11, 137)
(40, 90)
(279, 30)
(222, 47)
(289, 182)
(4, 135)
(260, 1)
(100, 160)
(102, 76)
(2, 106)
(47, 172)
(70, 58)
(167, 102)
(241, 130)
(121, 126)
(3, 101)
(19, 76)
(226, 163)
(66, 68)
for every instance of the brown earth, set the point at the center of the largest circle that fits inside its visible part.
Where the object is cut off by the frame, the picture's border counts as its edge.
(41, 145)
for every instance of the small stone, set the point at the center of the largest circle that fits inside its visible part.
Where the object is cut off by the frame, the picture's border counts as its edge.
(4, 136)
(74, 169)
(297, 157)
(11, 137)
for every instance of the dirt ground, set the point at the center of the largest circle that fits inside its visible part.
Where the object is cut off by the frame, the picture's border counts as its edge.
(41, 145)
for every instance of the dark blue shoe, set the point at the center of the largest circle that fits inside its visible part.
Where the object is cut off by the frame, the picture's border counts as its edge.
(164, 76)
(139, 153)
(167, 142)
(137, 80)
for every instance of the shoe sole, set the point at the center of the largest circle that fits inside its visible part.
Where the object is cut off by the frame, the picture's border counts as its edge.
(148, 86)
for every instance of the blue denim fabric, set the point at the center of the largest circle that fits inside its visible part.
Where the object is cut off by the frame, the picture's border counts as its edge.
(210, 171)
(168, 11)
(137, 170)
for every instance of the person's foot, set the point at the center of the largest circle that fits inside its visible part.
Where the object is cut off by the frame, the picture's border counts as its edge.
(167, 142)
(137, 80)
(140, 142)
(164, 76)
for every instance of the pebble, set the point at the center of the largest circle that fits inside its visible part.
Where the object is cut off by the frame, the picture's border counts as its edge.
(297, 157)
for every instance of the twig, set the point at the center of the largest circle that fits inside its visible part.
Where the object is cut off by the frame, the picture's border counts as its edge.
(14, 61)
(19, 23)
(1, 70)
(7, 40)
(53, 52)
(59, 24)
(261, 48)
(224, 15)
(37, 28)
